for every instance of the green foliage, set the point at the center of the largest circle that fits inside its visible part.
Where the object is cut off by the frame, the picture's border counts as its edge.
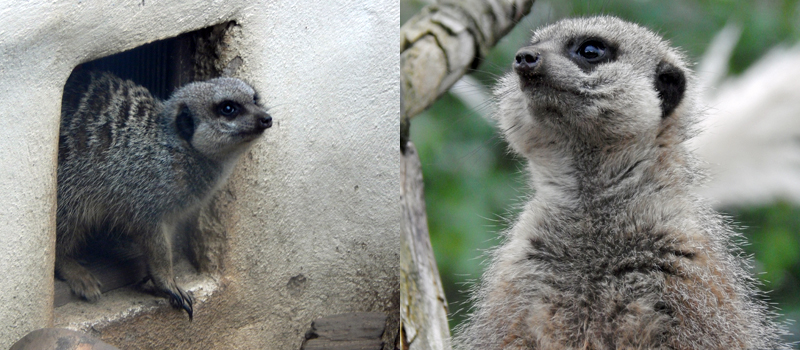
(469, 180)
(473, 187)
(774, 236)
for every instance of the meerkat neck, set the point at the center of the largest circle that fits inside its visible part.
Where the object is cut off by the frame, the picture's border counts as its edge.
(584, 175)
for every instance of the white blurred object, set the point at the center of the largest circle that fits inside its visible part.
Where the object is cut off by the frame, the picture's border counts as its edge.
(750, 134)
(475, 96)
(713, 67)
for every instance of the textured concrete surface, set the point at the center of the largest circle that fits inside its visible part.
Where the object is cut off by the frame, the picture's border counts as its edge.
(312, 211)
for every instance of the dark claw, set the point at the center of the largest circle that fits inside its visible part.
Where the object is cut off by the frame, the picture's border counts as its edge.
(181, 300)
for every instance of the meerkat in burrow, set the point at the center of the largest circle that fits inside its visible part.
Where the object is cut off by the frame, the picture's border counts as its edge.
(614, 250)
(139, 166)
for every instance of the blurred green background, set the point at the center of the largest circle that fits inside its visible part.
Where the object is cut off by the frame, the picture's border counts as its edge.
(474, 187)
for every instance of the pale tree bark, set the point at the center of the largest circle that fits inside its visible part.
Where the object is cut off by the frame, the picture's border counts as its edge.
(443, 41)
(423, 307)
(437, 47)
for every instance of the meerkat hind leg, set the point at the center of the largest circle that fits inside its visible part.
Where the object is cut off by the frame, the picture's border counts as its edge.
(158, 254)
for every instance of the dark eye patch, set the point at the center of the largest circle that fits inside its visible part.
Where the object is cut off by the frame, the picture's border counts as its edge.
(185, 124)
(229, 109)
(670, 83)
(590, 52)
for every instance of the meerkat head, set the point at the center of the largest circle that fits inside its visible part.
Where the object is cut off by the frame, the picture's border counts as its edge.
(594, 82)
(218, 117)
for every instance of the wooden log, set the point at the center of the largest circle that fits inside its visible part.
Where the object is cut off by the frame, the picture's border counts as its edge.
(351, 331)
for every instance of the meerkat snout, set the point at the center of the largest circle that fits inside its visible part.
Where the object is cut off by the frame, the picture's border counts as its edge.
(265, 122)
(526, 60)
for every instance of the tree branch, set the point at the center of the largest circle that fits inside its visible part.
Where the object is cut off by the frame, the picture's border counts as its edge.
(443, 41)
(423, 306)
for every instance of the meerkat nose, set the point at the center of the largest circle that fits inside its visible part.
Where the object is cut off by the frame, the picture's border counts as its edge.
(526, 60)
(264, 122)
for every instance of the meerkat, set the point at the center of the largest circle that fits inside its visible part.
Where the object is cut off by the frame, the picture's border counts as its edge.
(138, 166)
(614, 250)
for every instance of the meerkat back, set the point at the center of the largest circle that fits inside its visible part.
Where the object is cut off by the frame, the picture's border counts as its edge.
(138, 167)
(614, 250)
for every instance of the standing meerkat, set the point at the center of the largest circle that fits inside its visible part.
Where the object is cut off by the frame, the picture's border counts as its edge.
(614, 250)
(137, 166)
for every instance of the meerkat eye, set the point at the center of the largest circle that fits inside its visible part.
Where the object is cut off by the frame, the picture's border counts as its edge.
(592, 50)
(589, 53)
(228, 109)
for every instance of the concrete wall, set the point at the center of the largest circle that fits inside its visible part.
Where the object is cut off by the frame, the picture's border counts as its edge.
(317, 196)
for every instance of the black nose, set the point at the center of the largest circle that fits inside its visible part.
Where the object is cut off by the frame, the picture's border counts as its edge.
(526, 60)
(264, 122)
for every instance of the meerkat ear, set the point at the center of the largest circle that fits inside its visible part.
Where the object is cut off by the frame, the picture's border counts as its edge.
(670, 84)
(184, 123)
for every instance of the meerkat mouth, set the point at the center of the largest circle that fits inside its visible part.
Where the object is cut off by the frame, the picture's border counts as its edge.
(251, 134)
(537, 84)
(263, 123)
(550, 97)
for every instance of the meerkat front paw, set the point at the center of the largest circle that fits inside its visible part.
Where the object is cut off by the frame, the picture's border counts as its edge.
(86, 287)
(80, 280)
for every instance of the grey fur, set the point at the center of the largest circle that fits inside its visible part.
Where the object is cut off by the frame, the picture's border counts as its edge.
(131, 164)
(614, 250)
